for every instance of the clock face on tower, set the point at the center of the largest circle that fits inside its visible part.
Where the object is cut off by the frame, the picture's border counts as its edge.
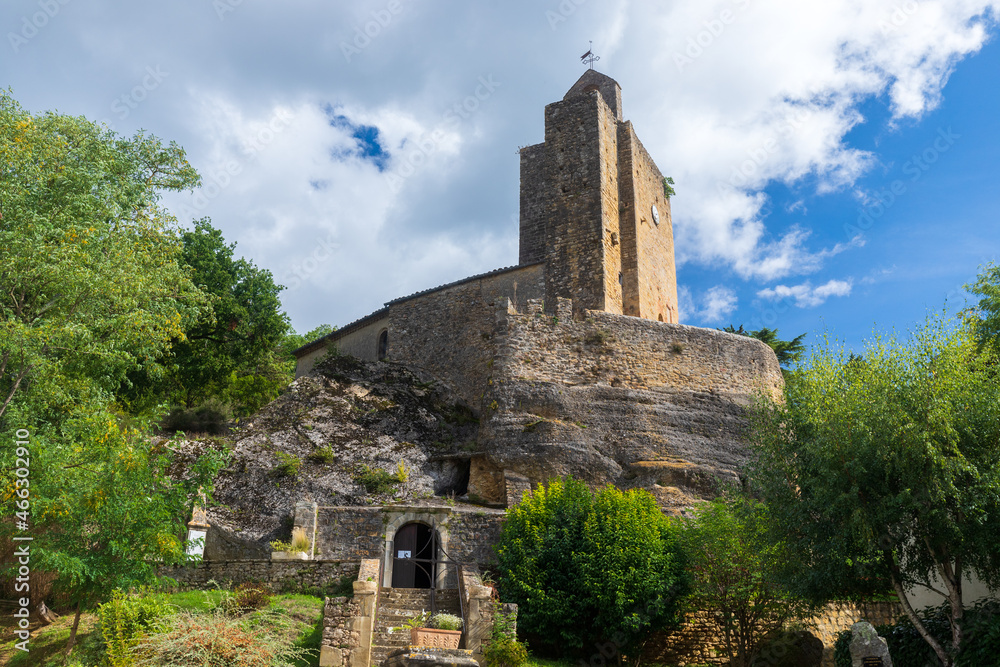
(656, 215)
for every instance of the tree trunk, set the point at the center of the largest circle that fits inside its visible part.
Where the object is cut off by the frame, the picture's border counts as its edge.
(912, 615)
(47, 615)
(72, 633)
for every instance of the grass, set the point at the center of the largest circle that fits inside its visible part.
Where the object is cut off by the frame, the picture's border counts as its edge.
(48, 642)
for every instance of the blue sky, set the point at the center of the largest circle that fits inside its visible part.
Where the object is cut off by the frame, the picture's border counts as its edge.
(366, 150)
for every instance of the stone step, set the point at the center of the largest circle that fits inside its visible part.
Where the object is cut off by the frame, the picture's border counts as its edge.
(396, 606)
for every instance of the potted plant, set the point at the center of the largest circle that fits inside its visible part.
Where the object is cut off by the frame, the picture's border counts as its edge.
(437, 631)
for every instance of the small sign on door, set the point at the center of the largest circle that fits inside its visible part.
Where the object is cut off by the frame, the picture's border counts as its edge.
(403, 554)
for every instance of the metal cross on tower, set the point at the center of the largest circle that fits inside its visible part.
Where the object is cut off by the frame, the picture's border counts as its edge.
(589, 58)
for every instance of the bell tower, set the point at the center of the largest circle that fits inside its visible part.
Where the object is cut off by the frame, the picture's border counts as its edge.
(593, 208)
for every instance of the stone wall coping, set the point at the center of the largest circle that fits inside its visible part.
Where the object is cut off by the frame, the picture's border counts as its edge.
(441, 509)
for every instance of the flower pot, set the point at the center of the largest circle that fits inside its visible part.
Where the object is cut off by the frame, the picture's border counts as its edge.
(284, 555)
(435, 638)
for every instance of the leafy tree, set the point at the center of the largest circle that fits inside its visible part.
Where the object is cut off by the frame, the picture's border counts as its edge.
(586, 567)
(985, 316)
(89, 272)
(883, 471)
(788, 351)
(237, 340)
(91, 287)
(735, 575)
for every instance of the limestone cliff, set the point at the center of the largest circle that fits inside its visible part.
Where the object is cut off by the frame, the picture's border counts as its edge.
(348, 424)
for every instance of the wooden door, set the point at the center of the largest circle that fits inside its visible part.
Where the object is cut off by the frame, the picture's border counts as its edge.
(404, 550)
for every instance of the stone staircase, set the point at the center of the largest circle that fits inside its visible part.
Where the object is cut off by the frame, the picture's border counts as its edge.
(398, 605)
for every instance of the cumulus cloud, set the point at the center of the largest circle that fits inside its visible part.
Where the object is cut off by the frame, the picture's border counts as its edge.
(710, 308)
(767, 91)
(764, 92)
(805, 295)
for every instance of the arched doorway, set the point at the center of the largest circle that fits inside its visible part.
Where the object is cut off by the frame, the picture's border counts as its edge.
(414, 549)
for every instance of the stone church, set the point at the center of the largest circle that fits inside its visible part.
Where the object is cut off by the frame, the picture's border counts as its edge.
(574, 359)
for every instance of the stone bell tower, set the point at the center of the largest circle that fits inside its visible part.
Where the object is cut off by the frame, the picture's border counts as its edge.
(593, 208)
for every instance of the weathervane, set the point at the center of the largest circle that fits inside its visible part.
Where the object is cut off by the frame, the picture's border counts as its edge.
(589, 58)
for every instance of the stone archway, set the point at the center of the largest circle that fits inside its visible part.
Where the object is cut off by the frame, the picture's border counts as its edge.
(434, 520)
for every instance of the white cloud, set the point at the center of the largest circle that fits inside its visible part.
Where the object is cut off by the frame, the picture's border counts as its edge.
(766, 91)
(805, 295)
(716, 303)
(770, 98)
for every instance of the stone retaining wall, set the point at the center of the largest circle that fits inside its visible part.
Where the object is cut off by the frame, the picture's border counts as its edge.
(286, 575)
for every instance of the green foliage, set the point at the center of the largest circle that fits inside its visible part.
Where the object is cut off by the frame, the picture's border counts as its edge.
(322, 455)
(985, 316)
(125, 619)
(288, 465)
(586, 567)
(668, 187)
(376, 480)
(505, 652)
(445, 622)
(734, 574)
(94, 288)
(503, 648)
(882, 470)
(788, 352)
(212, 417)
(418, 621)
(230, 352)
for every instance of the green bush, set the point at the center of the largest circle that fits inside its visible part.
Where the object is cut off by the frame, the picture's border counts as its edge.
(125, 619)
(249, 596)
(322, 455)
(590, 568)
(376, 480)
(288, 465)
(505, 652)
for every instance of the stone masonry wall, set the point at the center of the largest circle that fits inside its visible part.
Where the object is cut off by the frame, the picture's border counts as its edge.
(649, 275)
(533, 210)
(577, 141)
(280, 575)
(340, 637)
(350, 533)
(639, 354)
(447, 334)
(362, 532)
